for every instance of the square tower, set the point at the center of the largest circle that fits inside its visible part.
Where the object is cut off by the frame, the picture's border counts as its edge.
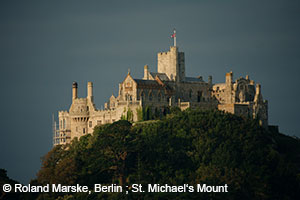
(172, 64)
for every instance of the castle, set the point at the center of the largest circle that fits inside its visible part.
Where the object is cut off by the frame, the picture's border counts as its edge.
(157, 91)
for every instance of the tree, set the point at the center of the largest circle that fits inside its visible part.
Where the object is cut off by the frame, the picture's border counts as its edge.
(116, 143)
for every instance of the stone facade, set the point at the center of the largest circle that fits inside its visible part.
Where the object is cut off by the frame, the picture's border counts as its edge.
(166, 88)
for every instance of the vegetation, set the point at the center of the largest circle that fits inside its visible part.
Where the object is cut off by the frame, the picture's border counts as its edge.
(187, 147)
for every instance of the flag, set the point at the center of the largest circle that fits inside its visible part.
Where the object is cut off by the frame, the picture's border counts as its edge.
(173, 35)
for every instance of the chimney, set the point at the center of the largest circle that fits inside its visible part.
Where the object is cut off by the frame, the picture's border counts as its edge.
(74, 90)
(210, 80)
(146, 72)
(258, 96)
(90, 91)
(200, 77)
(229, 78)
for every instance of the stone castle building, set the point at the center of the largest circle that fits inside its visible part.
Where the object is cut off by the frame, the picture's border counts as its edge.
(159, 90)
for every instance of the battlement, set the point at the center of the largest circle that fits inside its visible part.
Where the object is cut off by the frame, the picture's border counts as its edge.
(162, 53)
(63, 113)
(172, 50)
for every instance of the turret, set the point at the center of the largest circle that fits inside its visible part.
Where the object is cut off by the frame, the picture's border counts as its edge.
(90, 91)
(74, 90)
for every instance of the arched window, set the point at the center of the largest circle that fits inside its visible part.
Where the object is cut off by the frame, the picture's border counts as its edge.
(128, 97)
(241, 87)
(190, 94)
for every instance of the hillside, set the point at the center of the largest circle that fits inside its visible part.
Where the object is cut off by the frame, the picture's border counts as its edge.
(189, 147)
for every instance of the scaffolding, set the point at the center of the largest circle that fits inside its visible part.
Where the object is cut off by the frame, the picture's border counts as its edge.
(61, 135)
(55, 132)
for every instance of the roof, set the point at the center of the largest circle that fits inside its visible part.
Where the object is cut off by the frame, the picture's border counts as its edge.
(149, 83)
(193, 79)
(162, 76)
(146, 82)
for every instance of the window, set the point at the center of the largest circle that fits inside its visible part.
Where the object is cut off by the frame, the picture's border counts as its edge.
(98, 122)
(150, 96)
(87, 108)
(128, 97)
(142, 96)
(90, 124)
(64, 124)
(83, 131)
(159, 97)
(199, 96)
(191, 93)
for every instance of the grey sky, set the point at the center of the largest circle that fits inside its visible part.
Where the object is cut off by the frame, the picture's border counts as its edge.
(46, 45)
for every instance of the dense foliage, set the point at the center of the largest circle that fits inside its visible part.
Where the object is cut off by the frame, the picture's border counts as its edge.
(187, 147)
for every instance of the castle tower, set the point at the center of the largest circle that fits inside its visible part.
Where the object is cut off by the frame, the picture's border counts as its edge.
(172, 64)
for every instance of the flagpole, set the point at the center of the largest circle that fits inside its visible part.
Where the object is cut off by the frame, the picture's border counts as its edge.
(174, 38)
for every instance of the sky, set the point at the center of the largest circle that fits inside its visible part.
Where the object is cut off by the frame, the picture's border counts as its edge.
(46, 45)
